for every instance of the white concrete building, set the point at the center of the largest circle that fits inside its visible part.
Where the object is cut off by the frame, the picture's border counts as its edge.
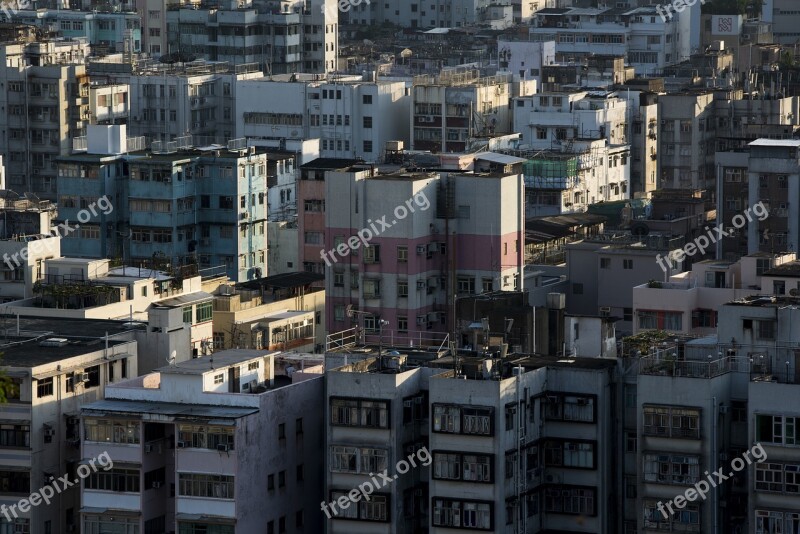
(640, 34)
(352, 117)
(688, 302)
(526, 58)
(224, 446)
(579, 149)
(55, 366)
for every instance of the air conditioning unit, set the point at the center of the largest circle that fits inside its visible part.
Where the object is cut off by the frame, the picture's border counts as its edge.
(244, 215)
(148, 449)
(421, 319)
(181, 444)
(156, 485)
(49, 432)
(82, 377)
(420, 249)
(222, 447)
(420, 284)
(723, 409)
(605, 311)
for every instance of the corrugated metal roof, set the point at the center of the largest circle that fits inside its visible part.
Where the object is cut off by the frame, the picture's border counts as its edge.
(167, 409)
(502, 159)
(182, 300)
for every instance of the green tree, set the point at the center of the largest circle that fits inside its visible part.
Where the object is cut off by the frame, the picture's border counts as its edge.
(8, 388)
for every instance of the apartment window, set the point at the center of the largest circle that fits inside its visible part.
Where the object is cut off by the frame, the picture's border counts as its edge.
(448, 513)
(206, 437)
(338, 279)
(281, 479)
(348, 459)
(372, 289)
(402, 288)
(372, 254)
(376, 509)
(664, 468)
(115, 479)
(44, 387)
(766, 329)
(575, 408)
(367, 122)
(270, 482)
(204, 485)
(570, 500)
(112, 430)
(366, 99)
(627, 264)
(464, 467)
(282, 431)
(685, 520)
(465, 285)
(630, 441)
(463, 420)
(572, 454)
(402, 253)
(402, 324)
(605, 263)
(204, 312)
(671, 422)
(367, 147)
(777, 429)
(359, 412)
(15, 436)
(777, 477)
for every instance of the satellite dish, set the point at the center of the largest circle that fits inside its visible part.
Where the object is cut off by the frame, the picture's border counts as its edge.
(172, 357)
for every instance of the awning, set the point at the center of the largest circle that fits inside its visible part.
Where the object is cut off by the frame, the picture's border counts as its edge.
(107, 511)
(206, 519)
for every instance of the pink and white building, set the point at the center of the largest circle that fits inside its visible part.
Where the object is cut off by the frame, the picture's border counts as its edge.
(435, 237)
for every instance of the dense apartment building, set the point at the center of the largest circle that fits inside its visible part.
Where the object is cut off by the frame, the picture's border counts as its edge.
(456, 241)
(524, 445)
(351, 116)
(222, 444)
(281, 38)
(459, 104)
(688, 302)
(769, 172)
(55, 366)
(578, 146)
(281, 312)
(45, 97)
(647, 41)
(172, 205)
(26, 240)
(702, 405)
(106, 33)
(602, 271)
(198, 99)
(175, 306)
(311, 210)
(686, 140)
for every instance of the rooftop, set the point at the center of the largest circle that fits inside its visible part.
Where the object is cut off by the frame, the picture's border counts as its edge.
(26, 350)
(282, 281)
(790, 269)
(218, 360)
(168, 409)
(792, 143)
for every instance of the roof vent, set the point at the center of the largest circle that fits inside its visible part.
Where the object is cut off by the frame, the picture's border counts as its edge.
(54, 342)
